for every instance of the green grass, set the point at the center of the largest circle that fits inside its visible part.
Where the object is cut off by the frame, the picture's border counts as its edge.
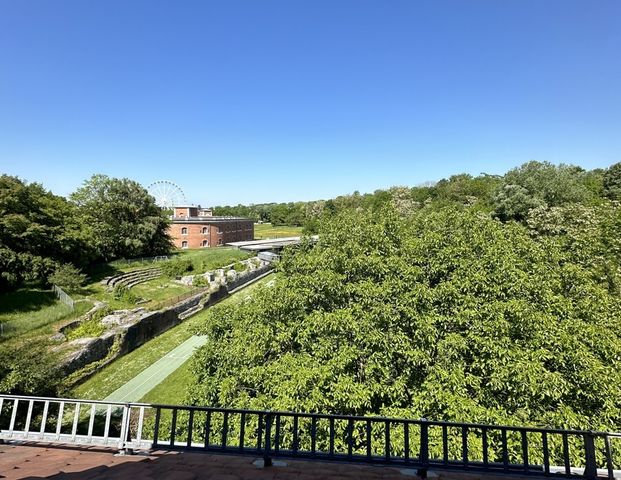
(206, 259)
(267, 230)
(171, 390)
(127, 367)
(162, 288)
(29, 309)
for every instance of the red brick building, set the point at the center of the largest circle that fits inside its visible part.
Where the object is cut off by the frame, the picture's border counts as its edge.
(195, 227)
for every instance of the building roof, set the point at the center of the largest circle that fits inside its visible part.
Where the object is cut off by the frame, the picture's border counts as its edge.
(268, 244)
(208, 219)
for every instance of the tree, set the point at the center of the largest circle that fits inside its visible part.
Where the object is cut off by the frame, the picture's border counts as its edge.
(67, 277)
(447, 314)
(37, 230)
(537, 184)
(121, 218)
(612, 182)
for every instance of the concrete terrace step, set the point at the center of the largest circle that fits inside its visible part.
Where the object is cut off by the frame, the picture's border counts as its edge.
(133, 278)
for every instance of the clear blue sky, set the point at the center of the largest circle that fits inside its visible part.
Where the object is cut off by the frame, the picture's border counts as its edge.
(255, 101)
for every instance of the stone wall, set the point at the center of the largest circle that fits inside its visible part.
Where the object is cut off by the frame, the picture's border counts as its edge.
(146, 327)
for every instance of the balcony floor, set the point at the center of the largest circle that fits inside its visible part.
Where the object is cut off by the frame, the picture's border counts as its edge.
(34, 461)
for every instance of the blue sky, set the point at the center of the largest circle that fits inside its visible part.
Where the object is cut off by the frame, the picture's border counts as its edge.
(254, 101)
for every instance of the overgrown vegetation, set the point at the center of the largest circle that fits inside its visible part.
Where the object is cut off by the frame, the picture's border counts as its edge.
(87, 329)
(67, 277)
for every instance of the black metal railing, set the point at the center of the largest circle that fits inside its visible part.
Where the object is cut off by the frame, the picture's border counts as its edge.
(420, 444)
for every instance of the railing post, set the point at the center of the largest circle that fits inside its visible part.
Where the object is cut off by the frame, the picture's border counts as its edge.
(267, 459)
(423, 456)
(125, 438)
(590, 470)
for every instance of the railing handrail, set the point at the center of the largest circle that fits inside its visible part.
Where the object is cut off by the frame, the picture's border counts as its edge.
(270, 428)
(326, 416)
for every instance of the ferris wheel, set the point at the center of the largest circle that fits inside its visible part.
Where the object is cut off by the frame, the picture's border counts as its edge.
(167, 194)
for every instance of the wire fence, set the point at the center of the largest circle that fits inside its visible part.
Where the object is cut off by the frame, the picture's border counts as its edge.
(63, 297)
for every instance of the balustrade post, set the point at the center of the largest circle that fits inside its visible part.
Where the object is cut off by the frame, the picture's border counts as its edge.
(590, 470)
(424, 449)
(267, 459)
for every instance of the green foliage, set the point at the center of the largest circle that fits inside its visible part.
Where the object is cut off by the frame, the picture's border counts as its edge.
(28, 371)
(101, 313)
(199, 281)
(540, 184)
(121, 292)
(67, 277)
(612, 182)
(239, 267)
(87, 329)
(121, 218)
(106, 218)
(177, 267)
(446, 315)
(37, 230)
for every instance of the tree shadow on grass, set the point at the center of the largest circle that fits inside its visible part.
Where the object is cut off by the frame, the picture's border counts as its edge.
(25, 300)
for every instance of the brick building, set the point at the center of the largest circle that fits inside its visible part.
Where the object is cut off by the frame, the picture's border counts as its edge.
(196, 227)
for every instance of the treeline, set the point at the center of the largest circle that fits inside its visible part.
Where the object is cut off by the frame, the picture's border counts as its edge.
(42, 234)
(510, 196)
(486, 299)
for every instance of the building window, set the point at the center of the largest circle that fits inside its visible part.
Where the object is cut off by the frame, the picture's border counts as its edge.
(205, 243)
(205, 230)
(184, 231)
(184, 244)
(219, 241)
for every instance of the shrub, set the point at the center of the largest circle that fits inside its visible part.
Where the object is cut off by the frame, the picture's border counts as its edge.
(67, 277)
(177, 267)
(87, 329)
(200, 281)
(121, 292)
(239, 267)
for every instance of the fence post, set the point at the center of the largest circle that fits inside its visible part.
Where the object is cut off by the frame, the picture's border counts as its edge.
(267, 459)
(424, 449)
(590, 470)
(125, 437)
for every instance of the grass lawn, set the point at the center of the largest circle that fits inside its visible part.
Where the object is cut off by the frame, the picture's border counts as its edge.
(172, 389)
(127, 367)
(267, 230)
(30, 309)
(205, 259)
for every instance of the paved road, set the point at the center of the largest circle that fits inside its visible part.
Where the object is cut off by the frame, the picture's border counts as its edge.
(146, 380)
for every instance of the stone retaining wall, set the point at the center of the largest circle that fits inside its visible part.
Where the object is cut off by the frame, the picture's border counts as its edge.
(147, 327)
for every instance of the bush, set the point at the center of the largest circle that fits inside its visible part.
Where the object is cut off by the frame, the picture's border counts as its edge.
(199, 281)
(28, 371)
(121, 292)
(176, 268)
(87, 329)
(67, 277)
(239, 267)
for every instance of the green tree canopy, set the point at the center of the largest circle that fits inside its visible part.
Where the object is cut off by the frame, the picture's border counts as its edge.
(536, 184)
(121, 218)
(612, 182)
(448, 315)
(37, 230)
